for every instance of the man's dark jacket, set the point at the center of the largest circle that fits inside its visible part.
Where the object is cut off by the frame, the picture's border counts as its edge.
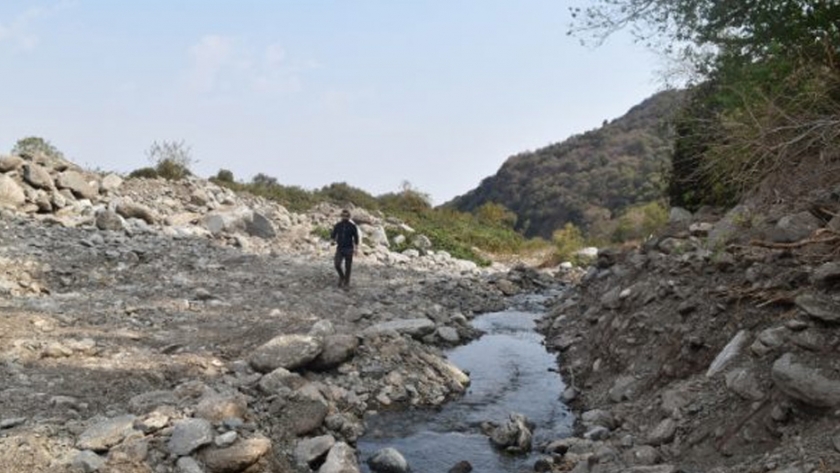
(346, 236)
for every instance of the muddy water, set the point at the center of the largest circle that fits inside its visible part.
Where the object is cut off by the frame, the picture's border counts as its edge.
(510, 371)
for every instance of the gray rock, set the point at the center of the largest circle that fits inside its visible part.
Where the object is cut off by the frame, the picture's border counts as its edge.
(819, 307)
(280, 379)
(139, 211)
(341, 459)
(599, 417)
(189, 435)
(448, 334)
(286, 351)
(10, 163)
(189, 465)
(514, 435)
(791, 228)
(804, 383)
(216, 407)
(422, 243)
(147, 402)
(836, 442)
(743, 383)
(338, 349)
(415, 328)
(646, 456)
(88, 461)
(810, 340)
(110, 183)
(104, 435)
(597, 433)
(322, 329)
(237, 457)
(229, 221)
(834, 224)
(729, 226)
(774, 337)
(461, 467)
(261, 227)
(376, 235)
(107, 220)
(679, 215)
(653, 469)
(37, 176)
(304, 412)
(11, 422)
(388, 460)
(827, 274)
(77, 184)
(663, 433)
(153, 422)
(11, 194)
(730, 351)
(623, 389)
(310, 451)
(700, 229)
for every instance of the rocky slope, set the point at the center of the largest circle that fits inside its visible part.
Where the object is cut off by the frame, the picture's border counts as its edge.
(156, 326)
(715, 347)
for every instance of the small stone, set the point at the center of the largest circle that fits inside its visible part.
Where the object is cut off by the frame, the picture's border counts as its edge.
(836, 442)
(804, 383)
(88, 461)
(189, 435)
(663, 433)
(461, 467)
(188, 465)
(448, 335)
(597, 433)
(110, 183)
(226, 439)
(237, 457)
(388, 460)
(743, 382)
(310, 451)
(107, 220)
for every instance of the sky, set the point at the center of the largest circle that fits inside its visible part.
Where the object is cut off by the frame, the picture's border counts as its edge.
(374, 93)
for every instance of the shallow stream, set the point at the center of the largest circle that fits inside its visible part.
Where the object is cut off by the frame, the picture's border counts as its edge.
(510, 371)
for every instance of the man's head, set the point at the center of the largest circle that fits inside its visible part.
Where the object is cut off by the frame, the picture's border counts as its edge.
(345, 214)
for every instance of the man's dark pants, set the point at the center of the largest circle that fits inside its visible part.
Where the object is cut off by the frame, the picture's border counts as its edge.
(347, 257)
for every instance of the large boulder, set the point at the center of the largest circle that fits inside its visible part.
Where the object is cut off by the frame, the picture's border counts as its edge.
(259, 226)
(11, 194)
(77, 184)
(338, 349)
(286, 351)
(37, 177)
(10, 163)
(805, 383)
(110, 183)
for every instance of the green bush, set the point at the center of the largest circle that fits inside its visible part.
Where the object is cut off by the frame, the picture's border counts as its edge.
(33, 145)
(224, 176)
(144, 173)
(567, 241)
(640, 222)
(172, 159)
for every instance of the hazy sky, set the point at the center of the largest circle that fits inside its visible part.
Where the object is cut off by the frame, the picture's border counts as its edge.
(373, 93)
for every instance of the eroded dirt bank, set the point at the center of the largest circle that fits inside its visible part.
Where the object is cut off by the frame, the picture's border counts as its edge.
(713, 348)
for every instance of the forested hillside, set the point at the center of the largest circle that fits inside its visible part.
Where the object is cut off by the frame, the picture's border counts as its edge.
(589, 178)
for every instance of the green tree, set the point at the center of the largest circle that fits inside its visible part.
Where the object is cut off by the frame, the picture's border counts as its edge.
(567, 241)
(752, 30)
(33, 145)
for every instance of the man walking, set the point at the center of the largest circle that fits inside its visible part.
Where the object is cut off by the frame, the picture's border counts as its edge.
(345, 236)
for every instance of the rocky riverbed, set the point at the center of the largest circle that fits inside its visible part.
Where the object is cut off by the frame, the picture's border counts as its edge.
(153, 326)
